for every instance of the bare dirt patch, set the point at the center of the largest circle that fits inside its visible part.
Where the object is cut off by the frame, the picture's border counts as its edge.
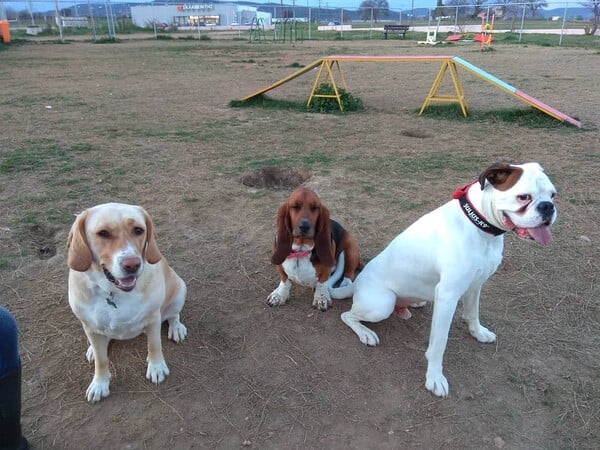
(275, 178)
(148, 122)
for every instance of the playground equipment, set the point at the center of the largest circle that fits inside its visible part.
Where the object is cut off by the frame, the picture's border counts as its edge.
(431, 34)
(449, 64)
(288, 29)
(4, 31)
(257, 30)
(486, 36)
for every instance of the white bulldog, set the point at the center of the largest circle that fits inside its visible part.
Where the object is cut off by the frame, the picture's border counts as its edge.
(448, 254)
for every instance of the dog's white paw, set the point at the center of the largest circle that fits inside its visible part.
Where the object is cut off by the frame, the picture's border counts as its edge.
(177, 331)
(89, 354)
(97, 390)
(438, 384)
(276, 298)
(322, 300)
(418, 304)
(482, 334)
(157, 371)
(366, 335)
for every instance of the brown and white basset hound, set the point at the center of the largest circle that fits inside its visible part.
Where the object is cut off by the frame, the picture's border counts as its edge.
(311, 249)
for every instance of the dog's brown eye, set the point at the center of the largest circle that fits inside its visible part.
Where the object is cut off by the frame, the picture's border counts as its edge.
(524, 198)
(138, 231)
(103, 234)
(295, 207)
(553, 195)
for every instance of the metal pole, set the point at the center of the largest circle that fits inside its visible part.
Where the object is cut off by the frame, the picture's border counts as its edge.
(309, 22)
(562, 28)
(58, 22)
(91, 13)
(522, 22)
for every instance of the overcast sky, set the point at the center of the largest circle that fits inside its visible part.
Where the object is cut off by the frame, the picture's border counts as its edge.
(395, 5)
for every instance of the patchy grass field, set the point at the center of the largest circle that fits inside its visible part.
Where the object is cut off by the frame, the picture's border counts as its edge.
(148, 122)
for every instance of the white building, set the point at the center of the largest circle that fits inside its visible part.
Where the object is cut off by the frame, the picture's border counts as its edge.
(197, 14)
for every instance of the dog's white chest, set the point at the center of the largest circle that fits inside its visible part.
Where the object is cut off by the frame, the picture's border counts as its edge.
(301, 271)
(117, 316)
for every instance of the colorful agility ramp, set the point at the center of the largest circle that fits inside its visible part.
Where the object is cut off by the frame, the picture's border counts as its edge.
(329, 64)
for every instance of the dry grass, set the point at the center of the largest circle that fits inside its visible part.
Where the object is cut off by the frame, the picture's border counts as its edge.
(147, 122)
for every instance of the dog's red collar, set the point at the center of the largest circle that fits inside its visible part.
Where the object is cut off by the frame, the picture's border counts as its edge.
(461, 194)
(295, 254)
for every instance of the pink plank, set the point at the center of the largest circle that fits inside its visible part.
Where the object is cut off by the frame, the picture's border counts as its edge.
(546, 108)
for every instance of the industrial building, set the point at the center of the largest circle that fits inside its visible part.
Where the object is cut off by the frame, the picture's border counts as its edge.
(197, 14)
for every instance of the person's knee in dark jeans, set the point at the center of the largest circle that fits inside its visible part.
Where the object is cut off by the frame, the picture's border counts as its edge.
(10, 385)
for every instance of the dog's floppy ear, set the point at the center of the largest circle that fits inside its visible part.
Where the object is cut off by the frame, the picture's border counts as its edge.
(502, 176)
(323, 238)
(79, 255)
(283, 240)
(152, 253)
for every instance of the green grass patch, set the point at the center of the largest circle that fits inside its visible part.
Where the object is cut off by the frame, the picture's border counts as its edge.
(325, 105)
(527, 117)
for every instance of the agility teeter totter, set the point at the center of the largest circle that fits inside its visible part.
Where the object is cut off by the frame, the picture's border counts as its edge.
(328, 64)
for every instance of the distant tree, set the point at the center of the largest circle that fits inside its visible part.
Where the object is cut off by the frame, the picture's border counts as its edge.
(464, 7)
(534, 6)
(477, 7)
(379, 9)
(508, 8)
(594, 5)
(439, 10)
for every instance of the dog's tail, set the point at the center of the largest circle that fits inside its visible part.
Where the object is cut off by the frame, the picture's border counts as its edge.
(344, 291)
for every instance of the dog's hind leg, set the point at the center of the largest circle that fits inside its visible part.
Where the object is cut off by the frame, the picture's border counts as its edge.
(471, 316)
(177, 330)
(369, 306)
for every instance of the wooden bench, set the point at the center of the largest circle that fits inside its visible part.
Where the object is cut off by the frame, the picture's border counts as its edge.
(400, 29)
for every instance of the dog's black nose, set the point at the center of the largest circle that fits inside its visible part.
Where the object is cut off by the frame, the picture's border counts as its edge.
(304, 226)
(546, 209)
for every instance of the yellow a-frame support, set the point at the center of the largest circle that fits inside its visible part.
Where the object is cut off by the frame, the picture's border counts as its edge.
(459, 94)
(325, 75)
(331, 64)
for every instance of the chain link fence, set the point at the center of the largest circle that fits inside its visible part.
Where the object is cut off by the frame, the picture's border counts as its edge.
(110, 19)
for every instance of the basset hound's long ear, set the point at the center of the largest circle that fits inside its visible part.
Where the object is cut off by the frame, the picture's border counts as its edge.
(283, 241)
(502, 176)
(79, 256)
(323, 245)
(152, 253)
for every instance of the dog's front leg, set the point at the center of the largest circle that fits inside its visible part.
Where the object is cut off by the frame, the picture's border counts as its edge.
(281, 294)
(444, 307)
(157, 367)
(471, 316)
(99, 387)
(322, 299)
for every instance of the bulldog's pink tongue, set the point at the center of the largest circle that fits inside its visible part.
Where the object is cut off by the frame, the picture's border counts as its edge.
(541, 234)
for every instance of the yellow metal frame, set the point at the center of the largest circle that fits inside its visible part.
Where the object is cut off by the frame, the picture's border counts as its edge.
(326, 75)
(459, 95)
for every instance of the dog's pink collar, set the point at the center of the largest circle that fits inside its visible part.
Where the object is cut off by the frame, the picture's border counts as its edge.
(299, 254)
(461, 194)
